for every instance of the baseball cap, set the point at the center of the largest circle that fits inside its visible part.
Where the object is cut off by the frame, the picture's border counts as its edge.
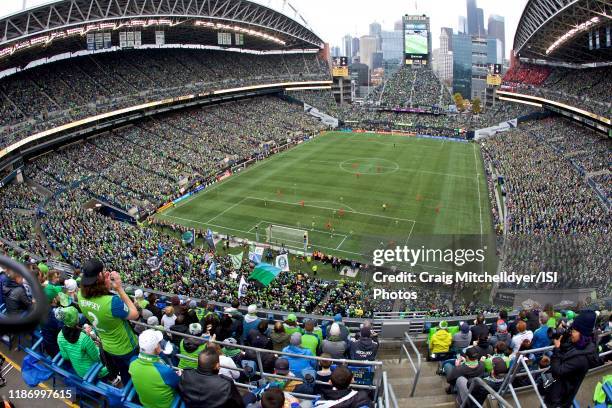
(52, 291)
(195, 329)
(281, 366)
(138, 293)
(149, 339)
(67, 315)
(292, 318)
(443, 324)
(465, 328)
(90, 271)
(153, 321)
(252, 309)
(70, 285)
(502, 328)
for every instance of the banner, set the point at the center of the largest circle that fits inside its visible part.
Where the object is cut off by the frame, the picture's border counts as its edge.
(209, 239)
(282, 262)
(154, 263)
(242, 288)
(212, 270)
(256, 254)
(237, 260)
(265, 273)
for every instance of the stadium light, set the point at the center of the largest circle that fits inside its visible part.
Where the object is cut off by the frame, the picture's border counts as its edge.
(572, 33)
(236, 28)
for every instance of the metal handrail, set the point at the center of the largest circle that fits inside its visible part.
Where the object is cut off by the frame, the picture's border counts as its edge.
(491, 391)
(417, 367)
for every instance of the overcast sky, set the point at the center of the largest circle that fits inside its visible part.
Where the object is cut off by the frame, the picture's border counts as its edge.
(332, 19)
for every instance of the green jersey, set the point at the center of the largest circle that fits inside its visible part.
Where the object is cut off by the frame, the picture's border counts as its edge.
(185, 363)
(108, 314)
(154, 381)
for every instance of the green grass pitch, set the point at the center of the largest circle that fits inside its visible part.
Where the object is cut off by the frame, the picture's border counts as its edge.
(430, 187)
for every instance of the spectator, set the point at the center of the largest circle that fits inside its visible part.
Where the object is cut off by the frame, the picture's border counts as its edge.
(573, 355)
(479, 327)
(467, 366)
(279, 338)
(15, 297)
(108, 314)
(501, 334)
(257, 336)
(493, 380)
(310, 340)
(482, 346)
(191, 347)
(139, 299)
(227, 366)
(251, 321)
(291, 325)
(75, 345)
(155, 382)
(298, 364)
(541, 337)
(365, 348)
(340, 395)
(462, 339)
(499, 351)
(203, 387)
(522, 336)
(333, 344)
(273, 398)
(324, 374)
(440, 341)
(51, 326)
(169, 318)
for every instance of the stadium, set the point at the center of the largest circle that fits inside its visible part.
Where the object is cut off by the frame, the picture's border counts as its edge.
(192, 214)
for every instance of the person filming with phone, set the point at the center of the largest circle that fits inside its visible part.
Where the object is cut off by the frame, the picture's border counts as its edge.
(108, 314)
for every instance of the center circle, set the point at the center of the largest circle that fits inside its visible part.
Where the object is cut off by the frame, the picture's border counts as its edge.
(369, 165)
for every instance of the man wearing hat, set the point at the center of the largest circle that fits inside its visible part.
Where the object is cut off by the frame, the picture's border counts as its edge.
(462, 339)
(75, 345)
(573, 355)
(291, 325)
(155, 382)
(108, 314)
(440, 342)
(70, 289)
(494, 380)
(251, 321)
(191, 347)
(139, 299)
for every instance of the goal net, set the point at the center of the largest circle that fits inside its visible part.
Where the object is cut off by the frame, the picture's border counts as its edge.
(290, 237)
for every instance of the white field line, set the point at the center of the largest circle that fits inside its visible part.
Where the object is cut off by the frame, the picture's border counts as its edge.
(329, 208)
(478, 184)
(226, 210)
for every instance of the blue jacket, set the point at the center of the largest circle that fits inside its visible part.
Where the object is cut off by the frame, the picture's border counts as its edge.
(248, 324)
(540, 337)
(297, 364)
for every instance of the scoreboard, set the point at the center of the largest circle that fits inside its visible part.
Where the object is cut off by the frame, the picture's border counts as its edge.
(340, 67)
(494, 77)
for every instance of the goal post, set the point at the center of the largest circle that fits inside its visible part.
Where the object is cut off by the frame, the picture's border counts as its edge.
(287, 236)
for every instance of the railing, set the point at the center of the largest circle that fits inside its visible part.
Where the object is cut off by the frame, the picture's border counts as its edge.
(415, 367)
(494, 395)
(387, 399)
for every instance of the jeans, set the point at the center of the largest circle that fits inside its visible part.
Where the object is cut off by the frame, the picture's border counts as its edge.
(121, 364)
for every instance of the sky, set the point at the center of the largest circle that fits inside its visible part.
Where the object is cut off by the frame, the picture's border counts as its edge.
(332, 19)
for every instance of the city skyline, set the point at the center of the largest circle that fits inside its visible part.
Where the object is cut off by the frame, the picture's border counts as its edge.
(354, 17)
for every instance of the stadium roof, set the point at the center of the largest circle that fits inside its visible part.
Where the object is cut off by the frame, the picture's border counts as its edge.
(558, 30)
(32, 33)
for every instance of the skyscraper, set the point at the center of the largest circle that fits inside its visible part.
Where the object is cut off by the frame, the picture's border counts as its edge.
(449, 34)
(355, 48)
(472, 17)
(462, 29)
(347, 46)
(480, 30)
(375, 31)
(496, 29)
(471, 55)
(368, 45)
(398, 26)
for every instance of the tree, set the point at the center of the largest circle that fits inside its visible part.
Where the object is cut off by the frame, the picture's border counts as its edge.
(459, 101)
(476, 106)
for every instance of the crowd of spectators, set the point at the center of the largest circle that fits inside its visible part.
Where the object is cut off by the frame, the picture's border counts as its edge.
(44, 97)
(581, 88)
(410, 87)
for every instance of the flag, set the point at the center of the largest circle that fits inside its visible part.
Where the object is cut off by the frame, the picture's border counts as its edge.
(186, 280)
(212, 270)
(188, 238)
(209, 239)
(265, 273)
(237, 260)
(160, 249)
(242, 288)
(282, 262)
(154, 263)
(255, 254)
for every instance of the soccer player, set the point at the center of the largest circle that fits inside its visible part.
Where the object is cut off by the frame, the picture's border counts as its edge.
(384, 206)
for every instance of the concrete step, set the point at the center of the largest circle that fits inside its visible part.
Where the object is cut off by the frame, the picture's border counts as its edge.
(439, 401)
(404, 369)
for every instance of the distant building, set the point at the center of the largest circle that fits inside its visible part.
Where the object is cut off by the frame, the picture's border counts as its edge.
(368, 45)
(335, 51)
(472, 17)
(398, 26)
(471, 55)
(462, 27)
(480, 30)
(375, 31)
(496, 29)
(360, 73)
(377, 60)
(449, 38)
(444, 64)
(347, 46)
(355, 48)
(392, 45)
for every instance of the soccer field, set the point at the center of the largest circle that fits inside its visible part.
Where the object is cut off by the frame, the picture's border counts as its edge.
(335, 186)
